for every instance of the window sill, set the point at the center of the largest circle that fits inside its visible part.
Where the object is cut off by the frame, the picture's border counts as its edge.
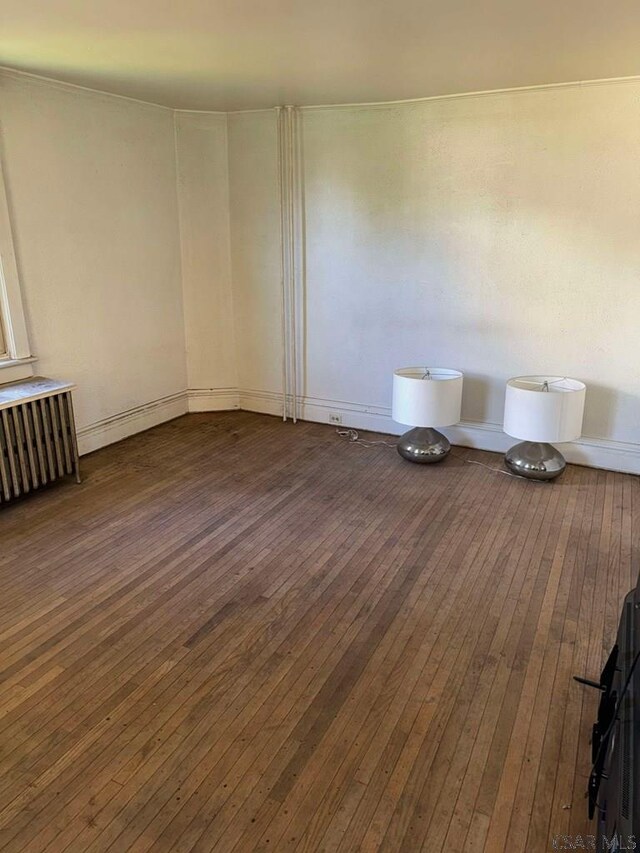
(16, 362)
(15, 369)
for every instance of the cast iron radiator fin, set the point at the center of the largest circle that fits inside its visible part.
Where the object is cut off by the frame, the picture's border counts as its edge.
(37, 445)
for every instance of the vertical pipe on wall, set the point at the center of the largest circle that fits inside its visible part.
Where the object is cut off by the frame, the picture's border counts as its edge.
(289, 187)
(301, 244)
(283, 275)
(291, 148)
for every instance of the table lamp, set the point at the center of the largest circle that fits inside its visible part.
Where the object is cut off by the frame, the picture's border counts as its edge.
(425, 398)
(541, 409)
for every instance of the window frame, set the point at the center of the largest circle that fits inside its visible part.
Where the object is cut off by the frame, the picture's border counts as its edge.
(12, 315)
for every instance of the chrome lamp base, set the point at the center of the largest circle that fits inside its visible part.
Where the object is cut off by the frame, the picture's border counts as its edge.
(535, 460)
(423, 445)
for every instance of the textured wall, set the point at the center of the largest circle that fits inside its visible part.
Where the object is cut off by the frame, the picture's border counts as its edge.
(255, 248)
(496, 234)
(203, 194)
(91, 186)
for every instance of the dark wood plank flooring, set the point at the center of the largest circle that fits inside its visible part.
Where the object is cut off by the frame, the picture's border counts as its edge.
(239, 635)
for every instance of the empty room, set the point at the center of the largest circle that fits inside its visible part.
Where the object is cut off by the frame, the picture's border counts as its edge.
(319, 426)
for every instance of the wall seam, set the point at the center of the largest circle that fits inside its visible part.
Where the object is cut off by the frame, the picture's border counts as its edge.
(52, 81)
(176, 158)
(234, 327)
(78, 89)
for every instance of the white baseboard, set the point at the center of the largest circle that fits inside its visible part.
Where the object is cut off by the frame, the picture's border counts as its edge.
(593, 452)
(213, 399)
(140, 418)
(264, 402)
(603, 453)
(124, 424)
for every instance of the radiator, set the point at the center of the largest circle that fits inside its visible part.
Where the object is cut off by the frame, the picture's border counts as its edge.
(37, 436)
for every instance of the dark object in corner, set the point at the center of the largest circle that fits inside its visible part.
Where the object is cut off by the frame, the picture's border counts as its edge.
(614, 782)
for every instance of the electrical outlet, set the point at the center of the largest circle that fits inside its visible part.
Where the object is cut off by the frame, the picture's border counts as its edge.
(335, 418)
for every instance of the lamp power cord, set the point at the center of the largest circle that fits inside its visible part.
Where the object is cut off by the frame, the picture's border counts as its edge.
(354, 438)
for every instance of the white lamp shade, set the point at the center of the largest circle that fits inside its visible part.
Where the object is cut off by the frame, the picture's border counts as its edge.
(426, 396)
(533, 413)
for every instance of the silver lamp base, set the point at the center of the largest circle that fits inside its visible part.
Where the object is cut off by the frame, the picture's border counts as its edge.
(535, 460)
(423, 445)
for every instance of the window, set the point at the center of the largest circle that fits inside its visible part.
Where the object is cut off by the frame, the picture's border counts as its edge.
(14, 344)
(3, 348)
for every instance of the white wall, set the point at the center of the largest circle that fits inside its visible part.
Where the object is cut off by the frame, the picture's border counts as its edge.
(91, 187)
(496, 234)
(255, 249)
(203, 195)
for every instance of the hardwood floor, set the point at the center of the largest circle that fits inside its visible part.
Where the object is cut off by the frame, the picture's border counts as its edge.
(239, 634)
